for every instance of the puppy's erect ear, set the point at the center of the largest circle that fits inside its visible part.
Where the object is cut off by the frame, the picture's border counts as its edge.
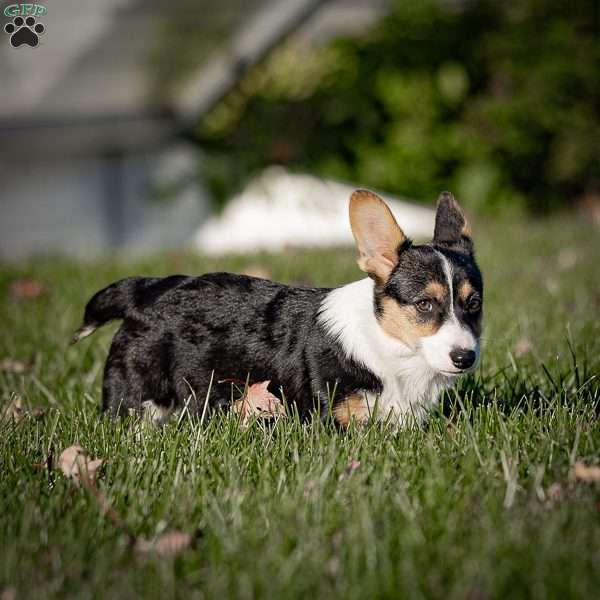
(452, 229)
(378, 237)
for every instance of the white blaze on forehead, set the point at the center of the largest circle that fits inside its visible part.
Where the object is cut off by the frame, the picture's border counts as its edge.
(452, 334)
(448, 272)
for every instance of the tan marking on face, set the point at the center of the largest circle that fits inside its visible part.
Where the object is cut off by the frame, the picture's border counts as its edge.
(436, 290)
(403, 323)
(352, 407)
(465, 289)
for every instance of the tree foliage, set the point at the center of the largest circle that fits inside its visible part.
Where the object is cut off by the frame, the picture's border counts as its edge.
(498, 101)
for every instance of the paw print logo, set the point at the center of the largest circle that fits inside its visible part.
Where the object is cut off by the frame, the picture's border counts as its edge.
(24, 31)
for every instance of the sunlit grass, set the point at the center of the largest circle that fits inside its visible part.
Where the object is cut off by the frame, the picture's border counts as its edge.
(477, 504)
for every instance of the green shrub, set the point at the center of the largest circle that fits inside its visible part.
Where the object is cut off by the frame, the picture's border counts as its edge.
(497, 101)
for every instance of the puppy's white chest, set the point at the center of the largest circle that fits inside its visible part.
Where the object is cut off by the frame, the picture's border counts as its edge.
(403, 402)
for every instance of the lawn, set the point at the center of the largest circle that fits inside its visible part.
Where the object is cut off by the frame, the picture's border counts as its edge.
(481, 503)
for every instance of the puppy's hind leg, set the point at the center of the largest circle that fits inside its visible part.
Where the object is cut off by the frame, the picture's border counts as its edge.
(115, 394)
(123, 386)
(122, 391)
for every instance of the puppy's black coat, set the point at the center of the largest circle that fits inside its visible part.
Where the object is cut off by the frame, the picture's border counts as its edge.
(177, 330)
(391, 342)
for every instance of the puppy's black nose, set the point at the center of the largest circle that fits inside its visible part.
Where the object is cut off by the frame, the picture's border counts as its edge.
(462, 358)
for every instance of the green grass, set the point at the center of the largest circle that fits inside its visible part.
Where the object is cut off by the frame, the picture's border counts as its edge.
(458, 509)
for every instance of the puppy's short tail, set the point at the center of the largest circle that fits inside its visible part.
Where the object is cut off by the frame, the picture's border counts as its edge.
(116, 301)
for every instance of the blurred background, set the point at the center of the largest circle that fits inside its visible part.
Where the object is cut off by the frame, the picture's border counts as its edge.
(237, 125)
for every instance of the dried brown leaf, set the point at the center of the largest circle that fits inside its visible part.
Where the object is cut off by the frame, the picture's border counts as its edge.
(589, 206)
(555, 492)
(25, 289)
(582, 472)
(337, 539)
(15, 411)
(258, 401)
(567, 258)
(15, 366)
(333, 566)
(168, 544)
(309, 486)
(352, 466)
(76, 464)
(523, 346)
(8, 593)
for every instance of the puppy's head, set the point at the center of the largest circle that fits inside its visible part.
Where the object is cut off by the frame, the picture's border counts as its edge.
(428, 297)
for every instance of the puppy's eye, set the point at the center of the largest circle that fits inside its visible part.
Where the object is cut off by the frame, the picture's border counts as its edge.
(424, 306)
(474, 304)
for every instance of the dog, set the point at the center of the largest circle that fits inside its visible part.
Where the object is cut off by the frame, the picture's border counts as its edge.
(383, 347)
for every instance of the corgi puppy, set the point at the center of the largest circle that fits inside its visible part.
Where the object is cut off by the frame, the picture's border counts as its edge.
(383, 347)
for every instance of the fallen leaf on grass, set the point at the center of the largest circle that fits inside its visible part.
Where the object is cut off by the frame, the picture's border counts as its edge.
(15, 366)
(333, 566)
(337, 539)
(567, 258)
(555, 492)
(476, 593)
(309, 486)
(352, 466)
(258, 401)
(582, 472)
(9, 593)
(25, 289)
(80, 469)
(168, 544)
(76, 464)
(552, 285)
(523, 346)
(15, 411)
